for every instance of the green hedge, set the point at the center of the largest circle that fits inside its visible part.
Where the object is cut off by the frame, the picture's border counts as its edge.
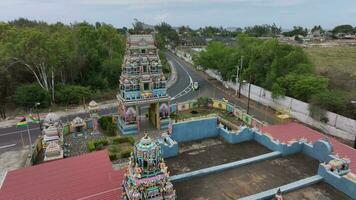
(113, 157)
(126, 153)
(91, 146)
(128, 139)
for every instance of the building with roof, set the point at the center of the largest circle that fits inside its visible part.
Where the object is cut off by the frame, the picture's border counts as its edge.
(89, 176)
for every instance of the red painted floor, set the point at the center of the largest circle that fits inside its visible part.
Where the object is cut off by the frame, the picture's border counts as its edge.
(295, 131)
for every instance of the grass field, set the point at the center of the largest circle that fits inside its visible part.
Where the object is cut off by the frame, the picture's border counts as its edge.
(336, 63)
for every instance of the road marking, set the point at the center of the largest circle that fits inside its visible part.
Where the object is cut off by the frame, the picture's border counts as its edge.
(14, 132)
(189, 87)
(7, 146)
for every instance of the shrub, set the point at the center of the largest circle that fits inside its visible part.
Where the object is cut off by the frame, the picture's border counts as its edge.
(204, 101)
(28, 94)
(113, 157)
(99, 144)
(125, 139)
(114, 149)
(107, 125)
(126, 153)
(91, 146)
(72, 94)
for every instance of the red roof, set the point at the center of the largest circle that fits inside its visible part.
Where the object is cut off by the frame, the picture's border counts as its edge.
(296, 131)
(89, 176)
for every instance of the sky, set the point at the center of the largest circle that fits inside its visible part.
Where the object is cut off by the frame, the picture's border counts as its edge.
(195, 13)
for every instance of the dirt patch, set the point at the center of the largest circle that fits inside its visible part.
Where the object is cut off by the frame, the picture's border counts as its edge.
(210, 152)
(320, 191)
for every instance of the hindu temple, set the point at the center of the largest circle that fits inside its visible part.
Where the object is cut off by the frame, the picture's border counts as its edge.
(142, 85)
(147, 174)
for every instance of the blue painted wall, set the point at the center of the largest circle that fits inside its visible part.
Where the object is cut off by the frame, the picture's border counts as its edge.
(205, 128)
(195, 130)
(244, 135)
(339, 182)
(169, 147)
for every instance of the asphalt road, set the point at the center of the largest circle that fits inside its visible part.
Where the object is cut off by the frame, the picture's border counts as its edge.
(12, 138)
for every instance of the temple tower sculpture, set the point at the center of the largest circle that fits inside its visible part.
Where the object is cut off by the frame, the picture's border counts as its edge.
(142, 84)
(94, 115)
(147, 175)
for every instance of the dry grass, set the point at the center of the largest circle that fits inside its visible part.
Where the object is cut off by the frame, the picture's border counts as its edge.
(336, 63)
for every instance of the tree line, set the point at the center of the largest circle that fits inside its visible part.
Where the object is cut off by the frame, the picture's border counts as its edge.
(282, 68)
(57, 63)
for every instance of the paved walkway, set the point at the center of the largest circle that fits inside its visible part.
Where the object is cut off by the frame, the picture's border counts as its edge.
(296, 131)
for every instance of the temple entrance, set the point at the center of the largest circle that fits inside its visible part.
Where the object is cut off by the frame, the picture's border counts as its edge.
(149, 117)
(153, 115)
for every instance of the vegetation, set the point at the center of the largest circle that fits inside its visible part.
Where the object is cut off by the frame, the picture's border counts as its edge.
(51, 55)
(297, 30)
(264, 30)
(338, 64)
(284, 69)
(166, 35)
(106, 124)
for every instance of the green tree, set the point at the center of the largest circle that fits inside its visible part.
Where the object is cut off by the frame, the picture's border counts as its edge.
(72, 94)
(28, 94)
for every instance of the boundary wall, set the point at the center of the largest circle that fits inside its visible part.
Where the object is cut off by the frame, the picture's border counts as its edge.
(205, 128)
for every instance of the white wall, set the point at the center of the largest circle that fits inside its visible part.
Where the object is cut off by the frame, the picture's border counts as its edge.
(337, 125)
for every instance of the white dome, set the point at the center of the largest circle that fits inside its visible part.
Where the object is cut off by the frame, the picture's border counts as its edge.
(51, 118)
(93, 104)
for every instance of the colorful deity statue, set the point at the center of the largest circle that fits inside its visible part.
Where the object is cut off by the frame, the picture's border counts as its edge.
(147, 174)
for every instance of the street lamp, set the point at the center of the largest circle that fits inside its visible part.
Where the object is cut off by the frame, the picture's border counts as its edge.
(38, 116)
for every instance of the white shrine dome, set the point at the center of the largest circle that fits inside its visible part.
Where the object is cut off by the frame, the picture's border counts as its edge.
(51, 118)
(93, 104)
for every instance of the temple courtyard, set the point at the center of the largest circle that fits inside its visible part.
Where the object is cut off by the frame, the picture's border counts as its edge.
(245, 180)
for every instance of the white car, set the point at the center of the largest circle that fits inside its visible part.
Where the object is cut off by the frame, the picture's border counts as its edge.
(195, 85)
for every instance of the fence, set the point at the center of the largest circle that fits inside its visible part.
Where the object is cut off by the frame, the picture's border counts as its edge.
(337, 125)
(219, 104)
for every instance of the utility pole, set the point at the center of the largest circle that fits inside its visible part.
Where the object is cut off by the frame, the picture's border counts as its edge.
(242, 61)
(237, 78)
(248, 98)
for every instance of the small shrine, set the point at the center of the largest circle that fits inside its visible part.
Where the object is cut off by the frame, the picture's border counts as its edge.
(53, 151)
(51, 119)
(77, 125)
(52, 130)
(142, 84)
(147, 174)
(94, 115)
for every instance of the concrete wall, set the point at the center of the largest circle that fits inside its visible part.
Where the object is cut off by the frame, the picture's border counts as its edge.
(195, 130)
(205, 128)
(342, 183)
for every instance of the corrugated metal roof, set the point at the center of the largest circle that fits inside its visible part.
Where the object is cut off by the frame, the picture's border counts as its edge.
(295, 131)
(89, 176)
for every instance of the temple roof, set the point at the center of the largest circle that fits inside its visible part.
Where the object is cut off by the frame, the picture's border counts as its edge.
(89, 176)
(142, 40)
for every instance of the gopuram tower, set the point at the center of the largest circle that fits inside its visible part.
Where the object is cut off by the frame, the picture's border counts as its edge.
(142, 85)
(147, 175)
